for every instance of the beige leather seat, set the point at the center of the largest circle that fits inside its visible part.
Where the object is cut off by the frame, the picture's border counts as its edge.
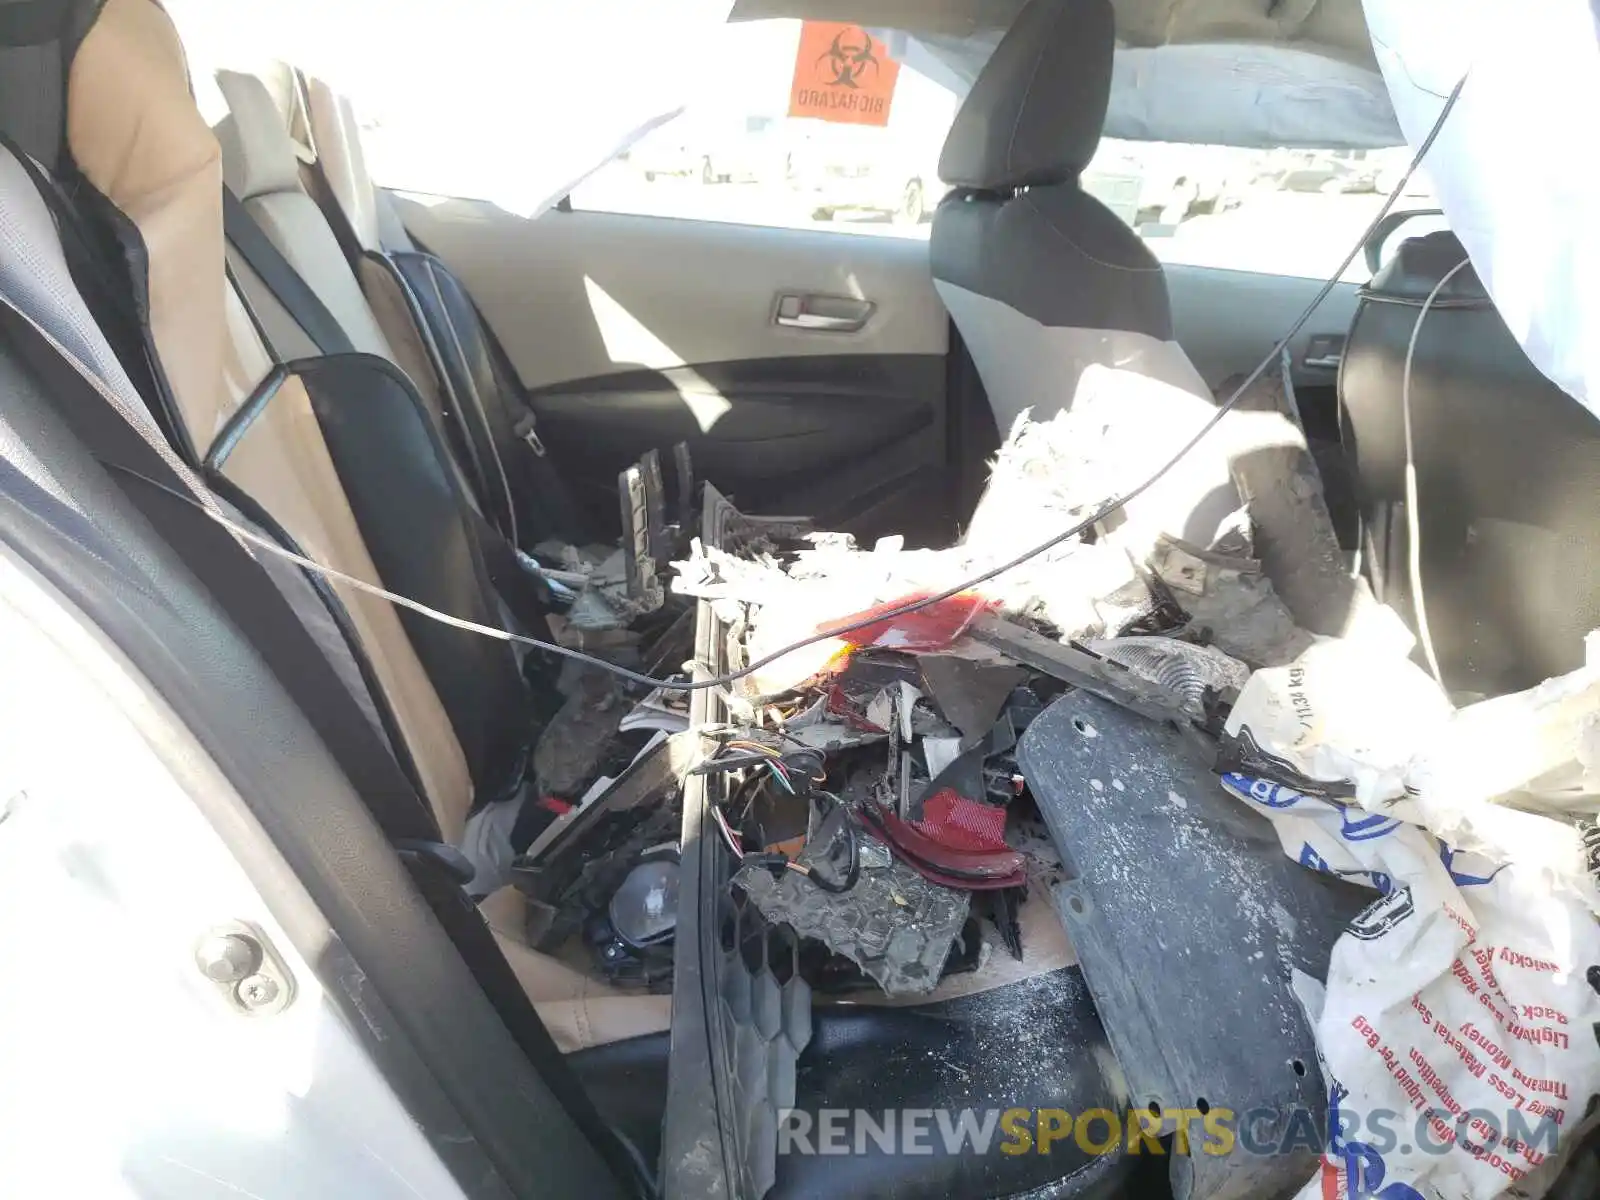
(261, 165)
(137, 136)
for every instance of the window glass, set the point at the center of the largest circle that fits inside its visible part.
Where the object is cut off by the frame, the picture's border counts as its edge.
(735, 154)
(1277, 212)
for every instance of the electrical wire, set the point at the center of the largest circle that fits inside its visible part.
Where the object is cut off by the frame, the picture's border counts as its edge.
(1413, 518)
(852, 849)
(735, 843)
(881, 615)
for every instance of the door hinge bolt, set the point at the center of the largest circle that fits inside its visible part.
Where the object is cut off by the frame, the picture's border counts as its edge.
(227, 957)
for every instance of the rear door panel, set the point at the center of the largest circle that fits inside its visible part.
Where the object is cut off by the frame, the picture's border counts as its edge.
(1227, 320)
(634, 332)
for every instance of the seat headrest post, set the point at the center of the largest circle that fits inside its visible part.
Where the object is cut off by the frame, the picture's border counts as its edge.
(1036, 111)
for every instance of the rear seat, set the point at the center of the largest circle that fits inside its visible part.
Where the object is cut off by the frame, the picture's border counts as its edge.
(136, 136)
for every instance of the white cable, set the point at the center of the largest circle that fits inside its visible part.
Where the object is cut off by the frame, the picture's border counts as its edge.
(1413, 519)
(371, 589)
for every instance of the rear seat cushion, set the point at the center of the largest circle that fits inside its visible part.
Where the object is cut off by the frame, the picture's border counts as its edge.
(580, 1012)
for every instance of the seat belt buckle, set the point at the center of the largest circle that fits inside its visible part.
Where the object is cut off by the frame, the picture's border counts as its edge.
(525, 428)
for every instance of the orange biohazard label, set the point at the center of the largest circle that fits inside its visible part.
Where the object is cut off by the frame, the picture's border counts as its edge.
(842, 73)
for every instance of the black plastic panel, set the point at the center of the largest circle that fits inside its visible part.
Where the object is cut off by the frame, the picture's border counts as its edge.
(1189, 922)
(953, 1056)
(762, 430)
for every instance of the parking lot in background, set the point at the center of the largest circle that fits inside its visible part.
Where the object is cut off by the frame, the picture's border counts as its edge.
(1266, 230)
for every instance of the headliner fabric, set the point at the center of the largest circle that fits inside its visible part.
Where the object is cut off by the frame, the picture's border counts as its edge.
(1512, 166)
(1034, 114)
(1255, 95)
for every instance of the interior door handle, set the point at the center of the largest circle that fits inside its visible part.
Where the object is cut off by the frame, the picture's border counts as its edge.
(1324, 352)
(823, 314)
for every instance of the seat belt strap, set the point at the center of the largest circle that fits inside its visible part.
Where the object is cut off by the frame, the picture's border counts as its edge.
(244, 591)
(281, 279)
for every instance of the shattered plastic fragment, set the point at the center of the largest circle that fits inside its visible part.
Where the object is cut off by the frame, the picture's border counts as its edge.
(1184, 669)
(895, 925)
(932, 628)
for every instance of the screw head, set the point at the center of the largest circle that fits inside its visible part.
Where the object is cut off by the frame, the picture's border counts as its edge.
(257, 991)
(227, 957)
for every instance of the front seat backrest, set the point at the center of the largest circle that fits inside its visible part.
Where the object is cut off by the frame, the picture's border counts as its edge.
(134, 132)
(260, 167)
(420, 302)
(393, 464)
(1042, 279)
(1508, 471)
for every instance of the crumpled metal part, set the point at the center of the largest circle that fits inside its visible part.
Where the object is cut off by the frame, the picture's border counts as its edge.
(1182, 668)
(1225, 591)
(895, 925)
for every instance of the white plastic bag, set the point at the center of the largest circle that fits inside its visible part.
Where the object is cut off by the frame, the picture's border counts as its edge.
(1484, 778)
(1457, 1025)
(1343, 713)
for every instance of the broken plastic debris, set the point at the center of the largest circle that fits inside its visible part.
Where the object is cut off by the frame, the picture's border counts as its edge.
(932, 628)
(961, 861)
(1182, 668)
(962, 822)
(895, 925)
(939, 753)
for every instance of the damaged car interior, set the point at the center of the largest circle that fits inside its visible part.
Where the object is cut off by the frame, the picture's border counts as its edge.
(1065, 705)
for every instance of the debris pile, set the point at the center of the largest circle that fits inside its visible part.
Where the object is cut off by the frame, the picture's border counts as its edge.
(879, 804)
(1133, 713)
(890, 815)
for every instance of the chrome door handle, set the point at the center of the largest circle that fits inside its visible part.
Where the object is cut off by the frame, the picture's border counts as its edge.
(822, 314)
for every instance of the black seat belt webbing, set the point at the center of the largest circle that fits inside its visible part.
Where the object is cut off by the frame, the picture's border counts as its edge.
(520, 592)
(281, 279)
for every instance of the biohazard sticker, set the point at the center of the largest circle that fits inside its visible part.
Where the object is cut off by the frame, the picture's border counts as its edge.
(843, 74)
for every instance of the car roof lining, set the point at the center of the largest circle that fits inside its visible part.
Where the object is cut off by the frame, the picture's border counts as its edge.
(1255, 73)
(1333, 28)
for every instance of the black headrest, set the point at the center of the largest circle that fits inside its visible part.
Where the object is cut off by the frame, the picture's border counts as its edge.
(1035, 114)
(1419, 264)
(38, 39)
